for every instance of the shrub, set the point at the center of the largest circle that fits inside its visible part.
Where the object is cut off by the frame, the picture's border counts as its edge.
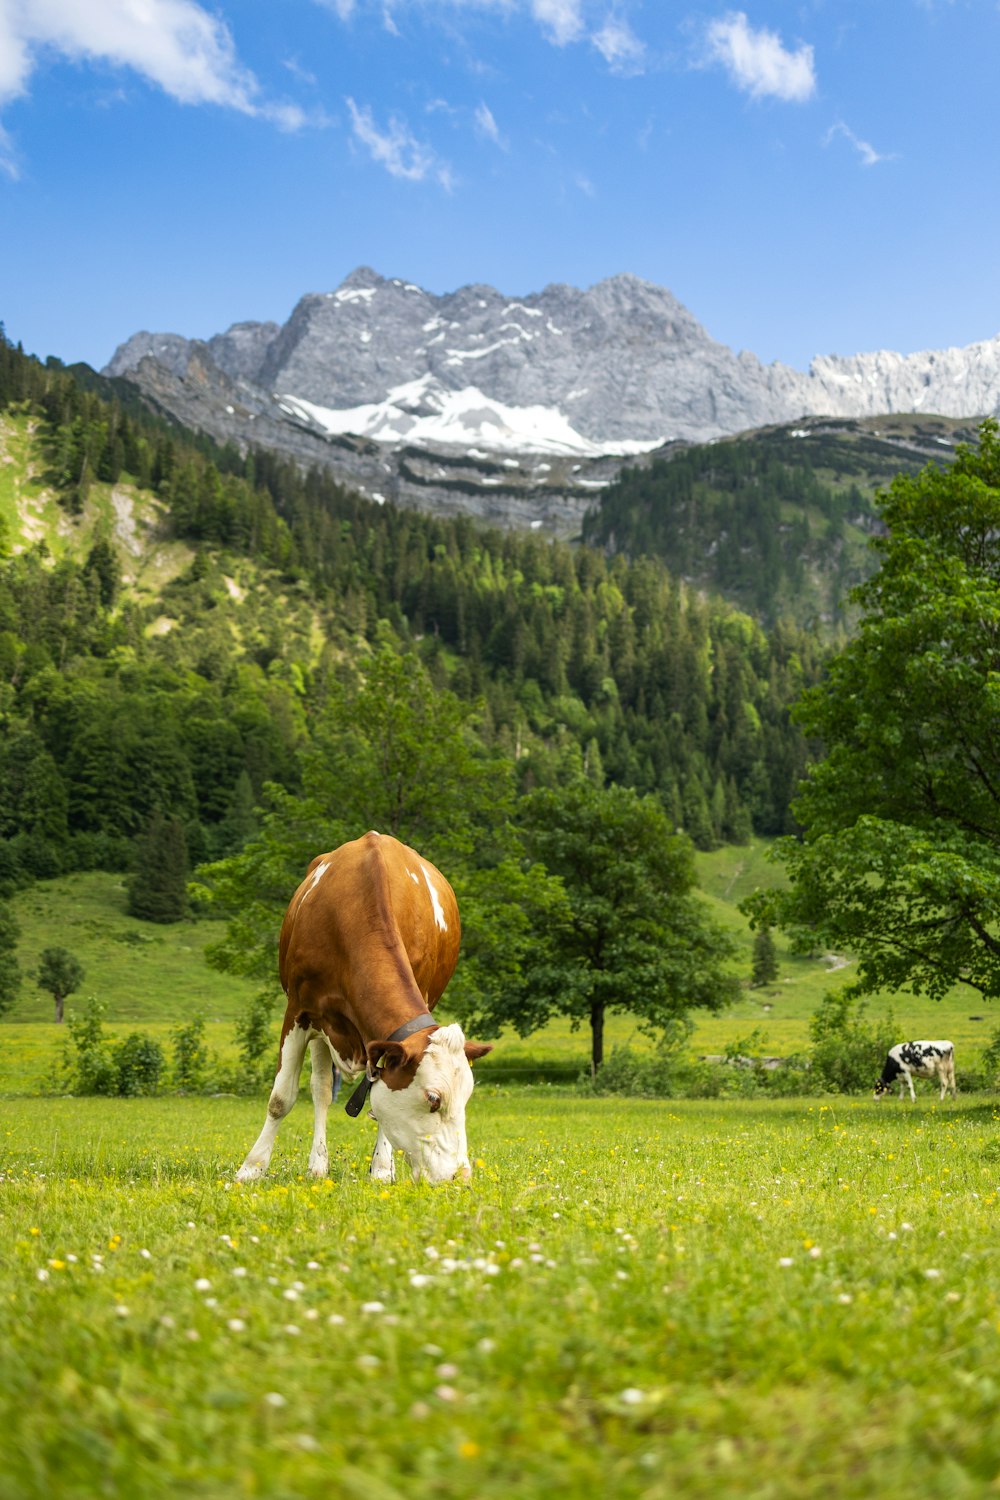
(138, 1065)
(254, 1038)
(98, 1066)
(190, 1063)
(649, 1075)
(848, 1051)
(91, 1070)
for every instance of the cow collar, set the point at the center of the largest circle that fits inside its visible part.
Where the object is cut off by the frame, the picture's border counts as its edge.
(359, 1098)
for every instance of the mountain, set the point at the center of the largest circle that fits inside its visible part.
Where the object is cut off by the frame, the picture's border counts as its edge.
(515, 409)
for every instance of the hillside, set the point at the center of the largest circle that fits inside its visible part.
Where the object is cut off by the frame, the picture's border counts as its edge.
(777, 520)
(174, 619)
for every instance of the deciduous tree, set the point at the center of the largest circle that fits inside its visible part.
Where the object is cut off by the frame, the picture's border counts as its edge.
(60, 973)
(900, 861)
(629, 932)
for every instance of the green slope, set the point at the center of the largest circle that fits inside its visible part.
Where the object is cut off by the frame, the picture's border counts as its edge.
(777, 520)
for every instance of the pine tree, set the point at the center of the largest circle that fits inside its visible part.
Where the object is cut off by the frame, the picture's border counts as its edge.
(157, 890)
(765, 958)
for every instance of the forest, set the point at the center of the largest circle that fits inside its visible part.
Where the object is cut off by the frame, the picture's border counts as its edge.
(778, 521)
(576, 662)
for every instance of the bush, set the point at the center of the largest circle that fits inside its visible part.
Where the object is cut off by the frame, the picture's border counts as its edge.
(99, 1066)
(670, 1072)
(190, 1064)
(92, 1069)
(138, 1065)
(848, 1051)
(254, 1038)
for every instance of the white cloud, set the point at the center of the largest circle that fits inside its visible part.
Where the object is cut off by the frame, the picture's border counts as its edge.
(869, 156)
(172, 43)
(619, 46)
(176, 45)
(487, 126)
(585, 185)
(8, 157)
(758, 62)
(397, 149)
(562, 19)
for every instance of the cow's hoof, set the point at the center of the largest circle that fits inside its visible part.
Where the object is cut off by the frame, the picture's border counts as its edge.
(250, 1172)
(320, 1168)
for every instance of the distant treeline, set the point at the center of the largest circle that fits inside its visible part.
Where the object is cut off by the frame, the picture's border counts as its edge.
(751, 519)
(612, 667)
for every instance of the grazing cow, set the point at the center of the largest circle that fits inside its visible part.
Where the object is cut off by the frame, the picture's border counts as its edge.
(369, 941)
(911, 1060)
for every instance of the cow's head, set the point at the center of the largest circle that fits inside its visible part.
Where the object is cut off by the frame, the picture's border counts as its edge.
(881, 1088)
(422, 1087)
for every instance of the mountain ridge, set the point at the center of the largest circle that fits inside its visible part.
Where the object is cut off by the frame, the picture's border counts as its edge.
(394, 389)
(623, 361)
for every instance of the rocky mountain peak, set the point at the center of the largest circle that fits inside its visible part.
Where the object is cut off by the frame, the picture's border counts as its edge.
(621, 365)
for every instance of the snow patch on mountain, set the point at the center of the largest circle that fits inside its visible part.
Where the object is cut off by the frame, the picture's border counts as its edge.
(423, 413)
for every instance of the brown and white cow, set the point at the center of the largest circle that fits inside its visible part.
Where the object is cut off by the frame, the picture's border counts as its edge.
(368, 944)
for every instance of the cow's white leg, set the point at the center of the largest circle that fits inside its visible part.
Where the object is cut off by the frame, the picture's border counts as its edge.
(383, 1167)
(283, 1094)
(322, 1094)
(909, 1078)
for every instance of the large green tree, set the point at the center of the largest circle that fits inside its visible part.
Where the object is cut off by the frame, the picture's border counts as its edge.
(629, 933)
(900, 859)
(393, 754)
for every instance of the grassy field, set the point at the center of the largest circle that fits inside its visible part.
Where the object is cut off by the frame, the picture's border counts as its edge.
(632, 1299)
(153, 977)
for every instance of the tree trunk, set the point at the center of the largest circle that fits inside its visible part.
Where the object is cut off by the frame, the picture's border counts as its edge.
(59, 1008)
(597, 1037)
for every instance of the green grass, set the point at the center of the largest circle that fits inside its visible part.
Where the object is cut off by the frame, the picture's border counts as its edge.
(633, 1299)
(146, 971)
(155, 976)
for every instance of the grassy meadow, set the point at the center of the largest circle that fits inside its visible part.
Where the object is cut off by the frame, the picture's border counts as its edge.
(630, 1299)
(154, 977)
(697, 1298)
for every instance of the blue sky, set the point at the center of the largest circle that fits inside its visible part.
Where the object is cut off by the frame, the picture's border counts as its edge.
(809, 178)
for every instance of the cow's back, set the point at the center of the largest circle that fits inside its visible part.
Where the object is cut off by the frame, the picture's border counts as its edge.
(371, 908)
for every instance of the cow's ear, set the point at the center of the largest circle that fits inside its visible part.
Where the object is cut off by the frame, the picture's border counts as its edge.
(393, 1053)
(477, 1049)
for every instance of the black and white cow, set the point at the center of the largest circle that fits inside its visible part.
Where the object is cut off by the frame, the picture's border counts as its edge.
(911, 1060)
